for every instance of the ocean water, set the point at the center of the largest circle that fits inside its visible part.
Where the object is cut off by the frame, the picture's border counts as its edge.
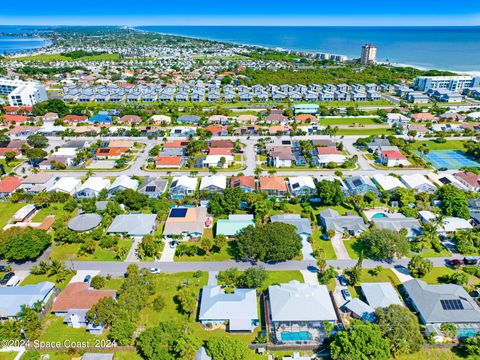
(449, 48)
(10, 44)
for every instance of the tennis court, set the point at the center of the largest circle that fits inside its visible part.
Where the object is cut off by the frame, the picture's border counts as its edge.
(450, 159)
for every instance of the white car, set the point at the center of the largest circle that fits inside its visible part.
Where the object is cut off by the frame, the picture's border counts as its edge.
(155, 271)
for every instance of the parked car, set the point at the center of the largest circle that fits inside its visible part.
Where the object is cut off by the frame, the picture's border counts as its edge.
(346, 294)
(342, 280)
(87, 279)
(455, 262)
(3, 268)
(6, 278)
(154, 270)
(470, 260)
(172, 244)
(443, 169)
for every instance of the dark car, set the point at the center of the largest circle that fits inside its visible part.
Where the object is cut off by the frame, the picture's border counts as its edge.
(443, 169)
(342, 280)
(455, 262)
(3, 268)
(6, 278)
(470, 261)
(87, 279)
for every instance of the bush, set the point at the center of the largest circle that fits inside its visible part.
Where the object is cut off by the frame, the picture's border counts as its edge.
(457, 278)
(97, 282)
(159, 303)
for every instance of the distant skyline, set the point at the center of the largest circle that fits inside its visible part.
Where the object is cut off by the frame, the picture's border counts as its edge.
(249, 12)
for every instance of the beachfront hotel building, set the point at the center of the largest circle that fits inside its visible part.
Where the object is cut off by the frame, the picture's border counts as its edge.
(369, 54)
(452, 83)
(22, 93)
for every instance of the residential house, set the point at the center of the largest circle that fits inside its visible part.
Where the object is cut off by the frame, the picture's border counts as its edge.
(469, 179)
(387, 182)
(92, 187)
(392, 158)
(282, 157)
(168, 162)
(110, 153)
(418, 182)
(396, 222)
(154, 187)
(213, 183)
(182, 186)
(351, 224)
(237, 309)
(231, 226)
(245, 183)
(222, 161)
(133, 224)
(301, 185)
(35, 183)
(380, 294)
(302, 225)
(9, 185)
(443, 303)
(186, 222)
(297, 307)
(273, 185)
(13, 298)
(360, 185)
(122, 183)
(329, 155)
(68, 185)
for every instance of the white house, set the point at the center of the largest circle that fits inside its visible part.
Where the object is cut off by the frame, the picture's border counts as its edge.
(392, 158)
(300, 185)
(218, 161)
(387, 182)
(66, 184)
(214, 183)
(92, 187)
(122, 183)
(418, 182)
(182, 186)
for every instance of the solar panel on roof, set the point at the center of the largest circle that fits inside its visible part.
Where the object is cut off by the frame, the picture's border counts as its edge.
(150, 188)
(178, 213)
(451, 304)
(357, 182)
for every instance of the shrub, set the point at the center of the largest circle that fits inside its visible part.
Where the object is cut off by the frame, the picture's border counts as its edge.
(159, 303)
(97, 282)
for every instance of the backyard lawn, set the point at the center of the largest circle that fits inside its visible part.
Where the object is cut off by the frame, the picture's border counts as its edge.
(55, 330)
(7, 210)
(52, 209)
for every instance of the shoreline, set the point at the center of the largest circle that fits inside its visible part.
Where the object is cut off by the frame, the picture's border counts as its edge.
(419, 67)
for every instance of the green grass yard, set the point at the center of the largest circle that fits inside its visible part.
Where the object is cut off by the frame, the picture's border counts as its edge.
(70, 252)
(55, 330)
(9, 166)
(431, 353)
(364, 131)
(52, 209)
(35, 279)
(432, 276)
(432, 145)
(347, 121)
(7, 210)
(385, 275)
(320, 244)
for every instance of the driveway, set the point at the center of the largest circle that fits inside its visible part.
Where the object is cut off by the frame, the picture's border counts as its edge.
(80, 275)
(307, 250)
(213, 278)
(339, 247)
(132, 255)
(309, 277)
(168, 253)
(402, 273)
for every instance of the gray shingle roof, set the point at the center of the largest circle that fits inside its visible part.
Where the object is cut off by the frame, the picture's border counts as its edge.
(133, 224)
(427, 299)
(301, 224)
(380, 294)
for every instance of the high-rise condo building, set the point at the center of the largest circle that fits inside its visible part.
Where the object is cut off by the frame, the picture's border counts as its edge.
(369, 54)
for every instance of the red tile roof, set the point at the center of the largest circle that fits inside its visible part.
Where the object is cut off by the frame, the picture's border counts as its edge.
(245, 181)
(75, 118)
(9, 109)
(14, 118)
(176, 144)
(470, 178)
(110, 151)
(328, 150)
(215, 129)
(393, 154)
(220, 151)
(272, 183)
(305, 117)
(168, 160)
(9, 184)
(221, 144)
(78, 295)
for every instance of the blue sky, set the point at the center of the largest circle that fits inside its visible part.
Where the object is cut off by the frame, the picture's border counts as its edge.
(246, 12)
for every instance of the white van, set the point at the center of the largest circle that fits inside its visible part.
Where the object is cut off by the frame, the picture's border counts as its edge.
(14, 281)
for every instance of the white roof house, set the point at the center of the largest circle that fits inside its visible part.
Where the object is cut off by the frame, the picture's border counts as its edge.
(301, 184)
(92, 187)
(297, 301)
(123, 182)
(66, 184)
(380, 295)
(452, 224)
(64, 151)
(418, 182)
(216, 160)
(184, 181)
(387, 182)
(213, 183)
(444, 179)
(238, 308)
(161, 118)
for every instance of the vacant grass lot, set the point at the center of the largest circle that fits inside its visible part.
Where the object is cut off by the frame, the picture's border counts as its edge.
(347, 121)
(432, 145)
(366, 132)
(70, 252)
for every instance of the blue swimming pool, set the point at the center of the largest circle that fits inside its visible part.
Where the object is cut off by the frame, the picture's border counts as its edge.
(379, 216)
(296, 336)
(450, 159)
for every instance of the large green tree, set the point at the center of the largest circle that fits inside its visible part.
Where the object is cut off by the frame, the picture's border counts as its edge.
(454, 201)
(468, 241)
(329, 192)
(269, 242)
(400, 326)
(363, 341)
(223, 347)
(23, 244)
(37, 141)
(384, 244)
(419, 266)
